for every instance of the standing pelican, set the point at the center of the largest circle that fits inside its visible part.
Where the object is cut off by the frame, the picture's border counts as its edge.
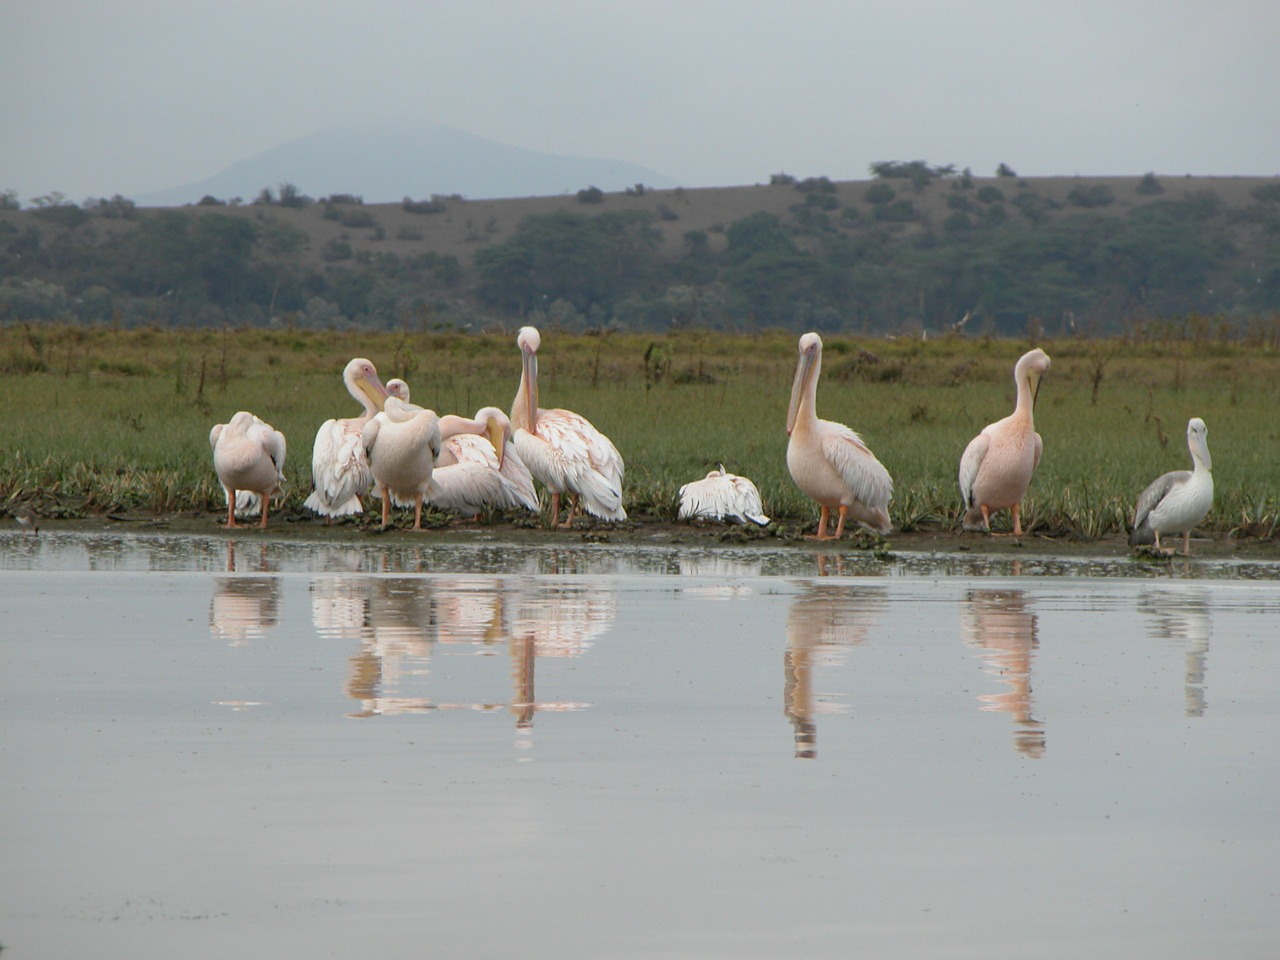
(996, 468)
(339, 464)
(248, 455)
(1177, 501)
(479, 466)
(722, 496)
(563, 449)
(402, 443)
(827, 460)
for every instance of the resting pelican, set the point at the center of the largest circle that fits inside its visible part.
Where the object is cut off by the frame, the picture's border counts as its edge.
(996, 468)
(563, 449)
(339, 464)
(248, 455)
(479, 466)
(722, 496)
(1177, 501)
(402, 443)
(828, 461)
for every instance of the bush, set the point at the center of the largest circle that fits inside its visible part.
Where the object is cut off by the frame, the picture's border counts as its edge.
(1004, 170)
(990, 194)
(1098, 195)
(816, 185)
(1267, 192)
(1150, 185)
(434, 205)
(591, 195)
(879, 193)
(781, 180)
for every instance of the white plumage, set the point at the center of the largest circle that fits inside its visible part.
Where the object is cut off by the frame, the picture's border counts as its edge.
(722, 496)
(402, 443)
(562, 449)
(339, 463)
(1177, 501)
(248, 456)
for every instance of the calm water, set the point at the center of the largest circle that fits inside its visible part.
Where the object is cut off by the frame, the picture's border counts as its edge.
(218, 748)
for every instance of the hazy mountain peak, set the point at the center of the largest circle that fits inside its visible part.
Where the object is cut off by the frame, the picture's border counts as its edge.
(384, 163)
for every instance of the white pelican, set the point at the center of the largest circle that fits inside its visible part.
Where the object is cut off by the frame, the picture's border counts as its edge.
(248, 455)
(1177, 501)
(722, 496)
(563, 449)
(996, 468)
(828, 461)
(402, 443)
(480, 467)
(339, 464)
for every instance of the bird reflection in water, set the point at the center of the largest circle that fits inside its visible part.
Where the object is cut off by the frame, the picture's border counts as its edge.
(1182, 616)
(243, 608)
(1003, 627)
(823, 622)
(400, 621)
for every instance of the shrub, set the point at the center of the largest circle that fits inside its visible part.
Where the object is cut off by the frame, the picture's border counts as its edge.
(591, 195)
(1267, 192)
(1004, 170)
(1098, 195)
(1149, 184)
(781, 180)
(879, 193)
(434, 205)
(990, 194)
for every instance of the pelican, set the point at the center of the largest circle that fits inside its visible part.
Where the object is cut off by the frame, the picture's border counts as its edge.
(479, 466)
(339, 464)
(722, 496)
(563, 449)
(996, 468)
(248, 455)
(402, 443)
(827, 460)
(1177, 501)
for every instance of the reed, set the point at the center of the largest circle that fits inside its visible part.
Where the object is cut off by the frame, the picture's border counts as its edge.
(99, 420)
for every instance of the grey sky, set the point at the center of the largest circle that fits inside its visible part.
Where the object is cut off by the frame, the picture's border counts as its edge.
(98, 98)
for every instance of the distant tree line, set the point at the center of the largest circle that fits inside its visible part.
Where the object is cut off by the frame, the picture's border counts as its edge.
(1003, 255)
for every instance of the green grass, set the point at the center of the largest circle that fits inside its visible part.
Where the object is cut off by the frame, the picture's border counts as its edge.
(96, 420)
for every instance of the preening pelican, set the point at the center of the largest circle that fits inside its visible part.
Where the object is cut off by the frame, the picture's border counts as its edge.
(722, 496)
(1177, 501)
(402, 443)
(339, 464)
(562, 449)
(248, 455)
(479, 466)
(828, 461)
(996, 468)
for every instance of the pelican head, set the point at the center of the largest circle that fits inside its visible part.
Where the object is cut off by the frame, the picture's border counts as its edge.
(1030, 368)
(497, 428)
(361, 378)
(1198, 441)
(529, 339)
(524, 412)
(806, 376)
(398, 388)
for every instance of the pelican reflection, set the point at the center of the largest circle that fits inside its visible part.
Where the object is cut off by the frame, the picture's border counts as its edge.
(1182, 616)
(243, 608)
(1002, 626)
(823, 622)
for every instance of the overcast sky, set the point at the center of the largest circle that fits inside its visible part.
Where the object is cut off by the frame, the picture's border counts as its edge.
(130, 96)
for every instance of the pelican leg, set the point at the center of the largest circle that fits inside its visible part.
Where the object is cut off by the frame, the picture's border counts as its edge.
(555, 509)
(231, 509)
(266, 498)
(386, 506)
(573, 507)
(1186, 544)
(844, 512)
(417, 512)
(1017, 520)
(986, 518)
(822, 526)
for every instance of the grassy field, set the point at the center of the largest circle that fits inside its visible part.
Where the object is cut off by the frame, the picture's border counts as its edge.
(95, 420)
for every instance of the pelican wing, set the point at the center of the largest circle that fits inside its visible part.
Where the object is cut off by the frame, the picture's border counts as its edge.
(587, 459)
(862, 473)
(214, 434)
(339, 469)
(469, 448)
(1159, 488)
(971, 463)
(468, 488)
(719, 497)
(1039, 450)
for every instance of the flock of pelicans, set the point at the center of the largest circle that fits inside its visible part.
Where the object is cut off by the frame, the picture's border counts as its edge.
(407, 455)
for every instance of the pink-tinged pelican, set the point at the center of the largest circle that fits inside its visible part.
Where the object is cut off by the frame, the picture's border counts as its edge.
(996, 468)
(1177, 501)
(339, 464)
(480, 467)
(248, 455)
(827, 460)
(562, 449)
(722, 496)
(402, 443)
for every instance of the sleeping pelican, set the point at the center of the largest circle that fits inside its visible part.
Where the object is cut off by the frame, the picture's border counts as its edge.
(1177, 501)
(722, 496)
(402, 443)
(480, 467)
(248, 455)
(563, 449)
(828, 461)
(339, 464)
(996, 468)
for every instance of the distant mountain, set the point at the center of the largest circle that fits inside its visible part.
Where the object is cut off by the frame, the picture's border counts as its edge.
(384, 165)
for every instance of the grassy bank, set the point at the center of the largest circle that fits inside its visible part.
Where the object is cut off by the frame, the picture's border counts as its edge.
(96, 420)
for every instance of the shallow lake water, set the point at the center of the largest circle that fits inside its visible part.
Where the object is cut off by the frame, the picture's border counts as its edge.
(222, 747)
